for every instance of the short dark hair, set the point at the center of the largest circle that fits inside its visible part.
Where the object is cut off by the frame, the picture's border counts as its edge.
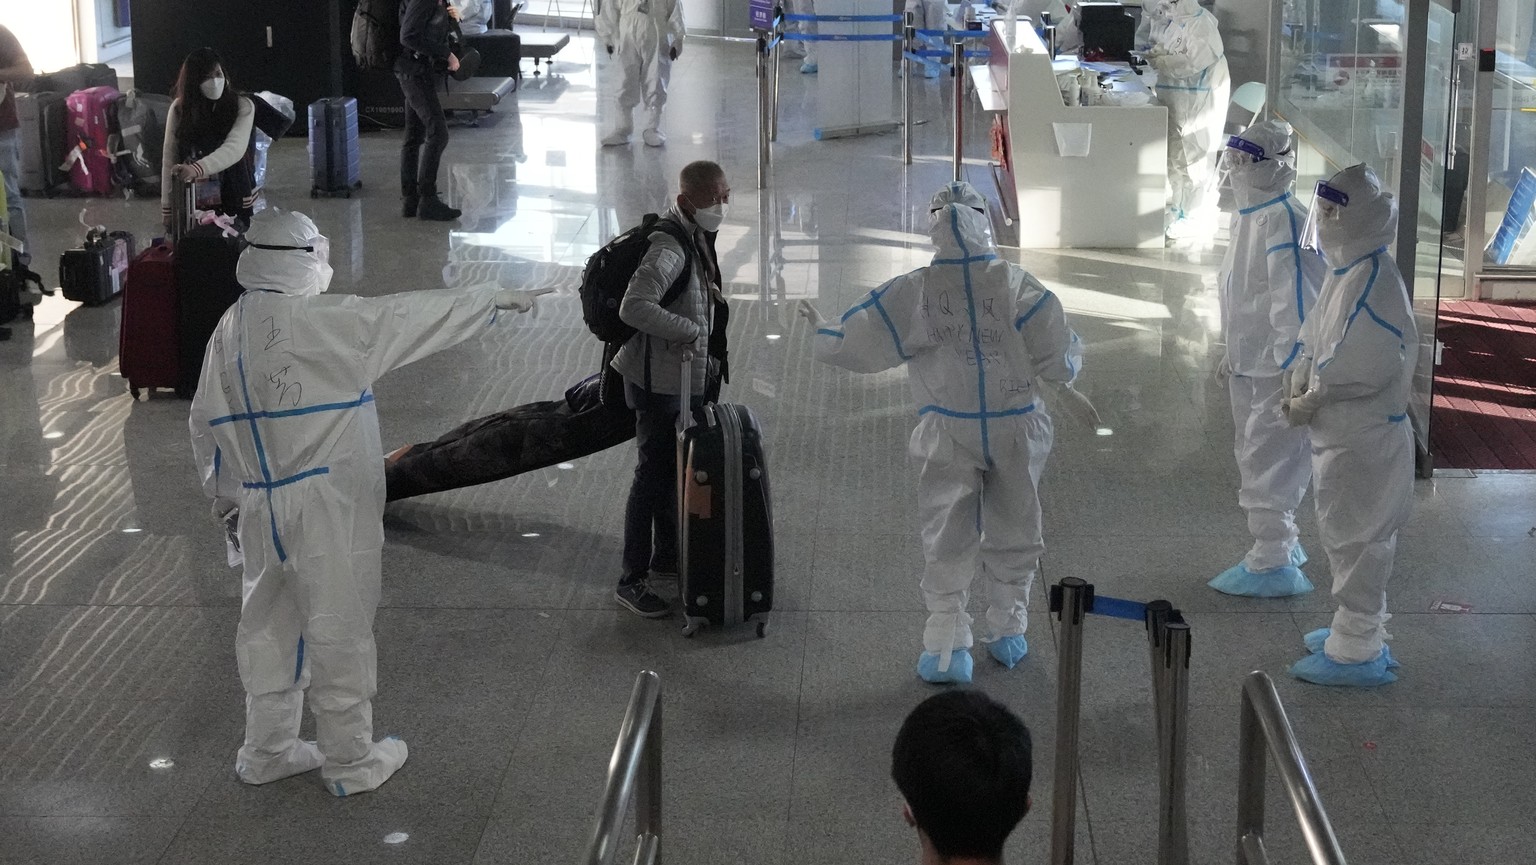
(962, 760)
(700, 176)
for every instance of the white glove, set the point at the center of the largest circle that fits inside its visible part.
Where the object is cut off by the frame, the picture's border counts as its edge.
(1299, 410)
(1298, 377)
(228, 513)
(807, 310)
(1223, 369)
(519, 301)
(1075, 405)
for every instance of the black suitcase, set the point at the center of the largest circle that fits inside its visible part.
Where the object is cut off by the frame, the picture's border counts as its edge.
(204, 269)
(67, 81)
(725, 517)
(43, 135)
(501, 53)
(335, 164)
(93, 274)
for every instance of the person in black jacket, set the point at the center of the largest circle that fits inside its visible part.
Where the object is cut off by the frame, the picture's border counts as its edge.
(425, 26)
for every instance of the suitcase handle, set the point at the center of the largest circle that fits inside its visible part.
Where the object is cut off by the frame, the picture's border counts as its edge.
(685, 393)
(183, 208)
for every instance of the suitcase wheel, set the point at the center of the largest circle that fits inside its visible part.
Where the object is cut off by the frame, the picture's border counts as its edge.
(314, 192)
(133, 392)
(762, 629)
(690, 627)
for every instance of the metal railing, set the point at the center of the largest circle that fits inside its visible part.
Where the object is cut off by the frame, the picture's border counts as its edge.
(1264, 722)
(636, 760)
(1168, 642)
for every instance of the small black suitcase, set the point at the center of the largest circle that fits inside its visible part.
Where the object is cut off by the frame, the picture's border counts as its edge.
(501, 53)
(725, 516)
(335, 163)
(93, 274)
(204, 268)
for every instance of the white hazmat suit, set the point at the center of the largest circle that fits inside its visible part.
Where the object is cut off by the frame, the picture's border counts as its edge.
(284, 429)
(1267, 286)
(644, 37)
(1350, 384)
(979, 336)
(1193, 83)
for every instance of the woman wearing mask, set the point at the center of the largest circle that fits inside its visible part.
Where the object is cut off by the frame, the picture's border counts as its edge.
(208, 139)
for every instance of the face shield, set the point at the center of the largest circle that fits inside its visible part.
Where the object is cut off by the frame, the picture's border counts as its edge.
(1328, 204)
(1247, 164)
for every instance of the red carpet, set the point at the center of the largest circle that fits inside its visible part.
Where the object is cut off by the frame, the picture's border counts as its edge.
(1484, 413)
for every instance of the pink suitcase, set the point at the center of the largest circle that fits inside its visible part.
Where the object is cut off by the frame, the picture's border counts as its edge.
(93, 137)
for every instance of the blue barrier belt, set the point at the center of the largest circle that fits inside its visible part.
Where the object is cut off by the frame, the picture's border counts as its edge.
(841, 37)
(886, 18)
(953, 34)
(934, 52)
(1119, 608)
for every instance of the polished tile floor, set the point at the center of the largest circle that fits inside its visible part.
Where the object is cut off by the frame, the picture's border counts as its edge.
(503, 660)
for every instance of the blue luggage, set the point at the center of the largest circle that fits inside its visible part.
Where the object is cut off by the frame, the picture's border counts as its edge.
(335, 164)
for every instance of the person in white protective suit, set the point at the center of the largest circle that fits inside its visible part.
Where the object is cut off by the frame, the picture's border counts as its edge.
(929, 15)
(286, 436)
(1349, 385)
(1267, 286)
(981, 338)
(802, 49)
(644, 37)
(1192, 82)
(1153, 21)
(1069, 37)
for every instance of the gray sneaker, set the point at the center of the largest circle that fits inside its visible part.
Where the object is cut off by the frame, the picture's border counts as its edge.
(638, 598)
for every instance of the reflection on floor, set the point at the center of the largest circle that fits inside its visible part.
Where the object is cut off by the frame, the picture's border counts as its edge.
(503, 660)
(1485, 387)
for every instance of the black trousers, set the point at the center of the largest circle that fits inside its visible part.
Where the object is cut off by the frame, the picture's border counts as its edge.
(426, 134)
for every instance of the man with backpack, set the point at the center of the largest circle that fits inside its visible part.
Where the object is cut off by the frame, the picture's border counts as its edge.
(673, 304)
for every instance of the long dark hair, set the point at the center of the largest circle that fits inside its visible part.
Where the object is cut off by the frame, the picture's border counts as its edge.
(202, 118)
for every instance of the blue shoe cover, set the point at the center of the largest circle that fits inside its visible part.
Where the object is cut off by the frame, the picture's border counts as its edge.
(1298, 556)
(1319, 669)
(807, 68)
(959, 672)
(1317, 638)
(1009, 651)
(1281, 582)
(930, 70)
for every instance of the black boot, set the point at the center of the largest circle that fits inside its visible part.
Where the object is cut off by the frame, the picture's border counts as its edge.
(433, 209)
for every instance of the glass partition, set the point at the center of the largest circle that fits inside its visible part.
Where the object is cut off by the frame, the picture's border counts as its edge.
(1340, 81)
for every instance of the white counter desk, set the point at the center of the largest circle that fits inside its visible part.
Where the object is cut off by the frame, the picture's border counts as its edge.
(1111, 198)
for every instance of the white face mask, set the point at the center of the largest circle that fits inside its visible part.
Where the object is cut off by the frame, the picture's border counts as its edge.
(711, 218)
(213, 88)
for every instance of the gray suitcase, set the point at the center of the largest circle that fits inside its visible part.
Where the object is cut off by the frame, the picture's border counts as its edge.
(335, 164)
(43, 133)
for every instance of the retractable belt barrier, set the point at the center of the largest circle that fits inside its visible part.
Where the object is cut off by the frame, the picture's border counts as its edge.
(956, 53)
(1072, 601)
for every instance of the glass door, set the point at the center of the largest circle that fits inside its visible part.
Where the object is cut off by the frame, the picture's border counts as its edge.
(1437, 267)
(1501, 198)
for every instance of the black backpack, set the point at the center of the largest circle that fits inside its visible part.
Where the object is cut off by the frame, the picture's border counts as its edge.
(376, 34)
(609, 270)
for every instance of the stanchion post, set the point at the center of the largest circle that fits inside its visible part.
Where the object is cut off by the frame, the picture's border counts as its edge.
(1070, 601)
(957, 71)
(763, 154)
(909, 45)
(1158, 614)
(1173, 815)
(778, 50)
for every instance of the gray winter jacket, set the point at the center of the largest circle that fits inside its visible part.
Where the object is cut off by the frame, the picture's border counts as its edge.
(684, 324)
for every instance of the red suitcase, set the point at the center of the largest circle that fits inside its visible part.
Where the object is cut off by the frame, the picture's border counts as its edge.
(148, 352)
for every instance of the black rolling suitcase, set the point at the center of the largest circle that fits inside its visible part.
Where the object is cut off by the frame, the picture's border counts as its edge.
(335, 164)
(204, 275)
(44, 120)
(80, 77)
(501, 53)
(725, 517)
